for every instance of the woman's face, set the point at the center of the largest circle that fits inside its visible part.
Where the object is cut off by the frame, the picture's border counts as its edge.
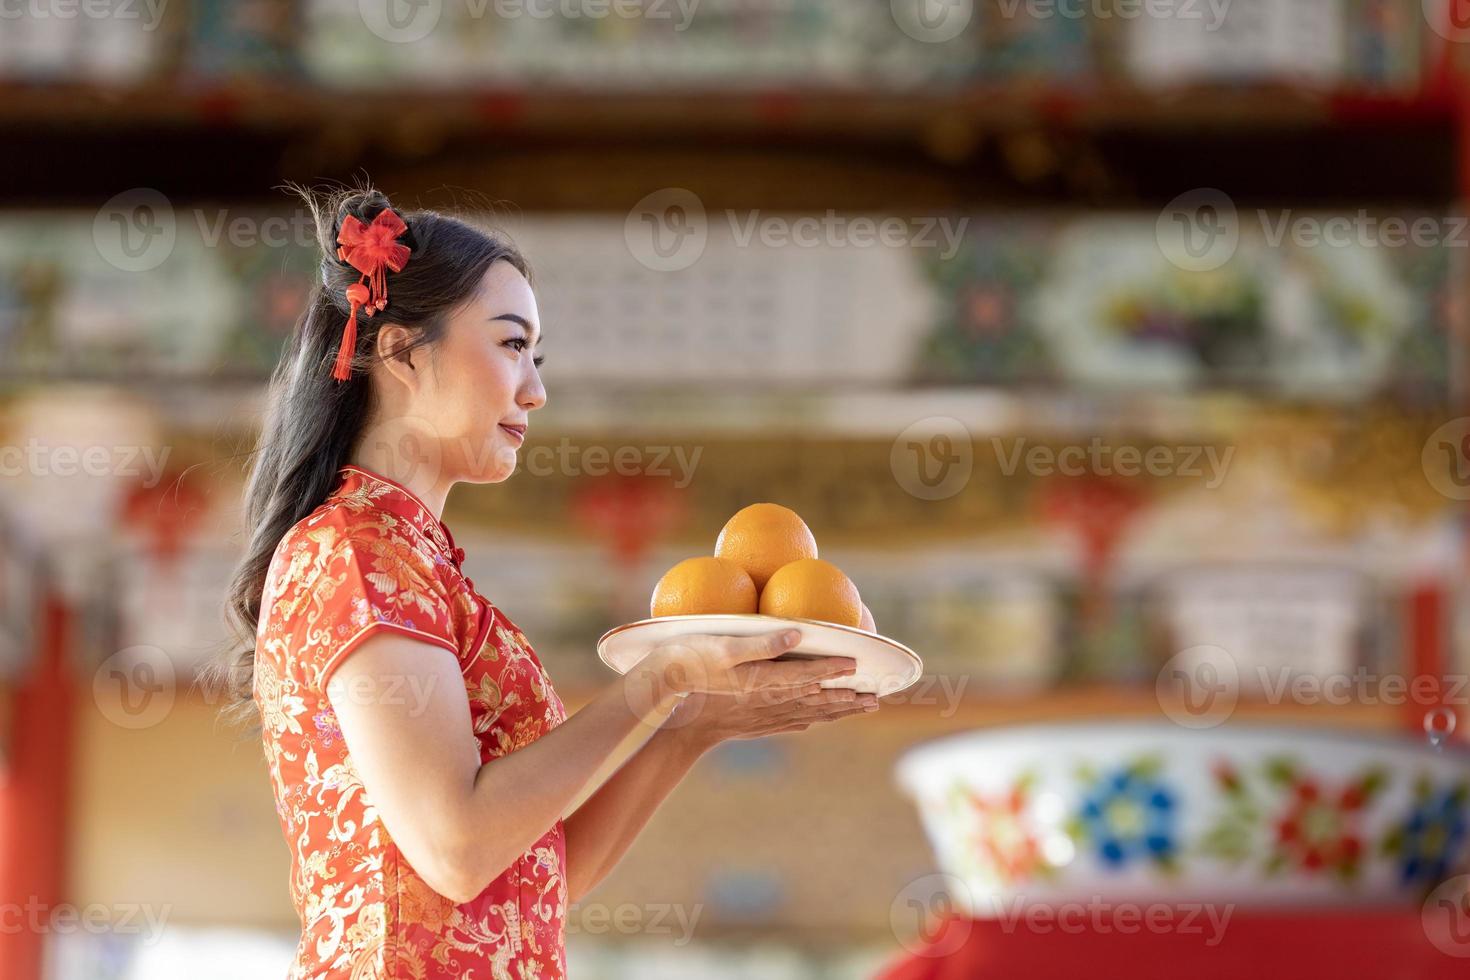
(482, 382)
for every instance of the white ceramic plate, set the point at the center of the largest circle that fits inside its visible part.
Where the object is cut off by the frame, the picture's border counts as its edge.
(884, 666)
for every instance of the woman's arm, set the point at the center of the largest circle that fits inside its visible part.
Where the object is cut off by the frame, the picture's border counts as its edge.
(460, 823)
(605, 826)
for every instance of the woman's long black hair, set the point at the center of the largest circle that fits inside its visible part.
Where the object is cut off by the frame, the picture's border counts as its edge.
(312, 421)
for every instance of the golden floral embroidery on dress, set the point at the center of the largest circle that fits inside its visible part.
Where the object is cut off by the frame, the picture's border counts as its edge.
(374, 559)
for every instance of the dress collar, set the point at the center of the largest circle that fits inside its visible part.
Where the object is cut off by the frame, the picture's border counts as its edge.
(365, 488)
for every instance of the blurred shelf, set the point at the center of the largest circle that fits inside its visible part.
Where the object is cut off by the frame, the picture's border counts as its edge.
(1083, 703)
(856, 409)
(142, 377)
(864, 115)
(869, 410)
(1063, 704)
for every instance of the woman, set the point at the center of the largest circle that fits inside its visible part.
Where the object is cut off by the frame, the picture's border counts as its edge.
(422, 763)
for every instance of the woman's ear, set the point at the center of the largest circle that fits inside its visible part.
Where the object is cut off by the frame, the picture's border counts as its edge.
(393, 349)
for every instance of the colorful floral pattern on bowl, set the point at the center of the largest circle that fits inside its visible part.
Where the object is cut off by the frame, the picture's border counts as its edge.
(1151, 812)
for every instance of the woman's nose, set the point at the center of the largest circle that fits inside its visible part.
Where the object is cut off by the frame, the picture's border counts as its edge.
(533, 396)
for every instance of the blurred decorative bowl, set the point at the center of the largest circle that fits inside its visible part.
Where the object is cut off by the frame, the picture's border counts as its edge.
(1155, 812)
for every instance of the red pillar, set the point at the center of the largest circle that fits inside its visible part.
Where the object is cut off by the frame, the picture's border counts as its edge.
(1426, 642)
(34, 787)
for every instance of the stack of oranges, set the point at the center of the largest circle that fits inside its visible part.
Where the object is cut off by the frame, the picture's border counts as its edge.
(765, 561)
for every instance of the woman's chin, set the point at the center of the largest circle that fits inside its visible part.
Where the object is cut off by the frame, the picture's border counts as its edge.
(496, 468)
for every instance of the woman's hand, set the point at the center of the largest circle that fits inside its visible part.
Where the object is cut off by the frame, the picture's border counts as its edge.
(735, 665)
(708, 719)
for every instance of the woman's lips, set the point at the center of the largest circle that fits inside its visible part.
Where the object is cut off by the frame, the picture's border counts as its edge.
(517, 432)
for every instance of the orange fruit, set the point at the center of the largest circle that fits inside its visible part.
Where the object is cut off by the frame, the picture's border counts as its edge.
(810, 588)
(764, 537)
(703, 586)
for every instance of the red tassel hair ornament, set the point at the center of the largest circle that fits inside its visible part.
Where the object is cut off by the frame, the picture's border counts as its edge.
(373, 250)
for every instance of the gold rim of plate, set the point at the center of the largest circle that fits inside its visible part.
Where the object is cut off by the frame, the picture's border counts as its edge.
(602, 640)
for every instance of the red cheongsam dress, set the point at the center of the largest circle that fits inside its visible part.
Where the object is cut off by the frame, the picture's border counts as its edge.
(373, 559)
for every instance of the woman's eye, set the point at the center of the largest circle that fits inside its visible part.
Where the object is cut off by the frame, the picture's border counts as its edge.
(519, 344)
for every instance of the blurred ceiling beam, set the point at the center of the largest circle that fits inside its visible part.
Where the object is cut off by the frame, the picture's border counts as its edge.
(809, 150)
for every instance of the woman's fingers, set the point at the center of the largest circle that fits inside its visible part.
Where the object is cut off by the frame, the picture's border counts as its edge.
(833, 711)
(835, 695)
(763, 646)
(793, 673)
(805, 723)
(806, 718)
(744, 666)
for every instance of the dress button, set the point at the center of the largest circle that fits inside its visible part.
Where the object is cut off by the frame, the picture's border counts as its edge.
(459, 556)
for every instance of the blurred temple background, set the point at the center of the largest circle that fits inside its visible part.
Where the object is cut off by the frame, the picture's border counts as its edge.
(1080, 333)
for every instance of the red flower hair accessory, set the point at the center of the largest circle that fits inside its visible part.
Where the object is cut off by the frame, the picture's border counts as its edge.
(371, 249)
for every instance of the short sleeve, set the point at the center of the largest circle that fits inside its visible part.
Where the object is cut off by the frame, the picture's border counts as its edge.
(369, 583)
